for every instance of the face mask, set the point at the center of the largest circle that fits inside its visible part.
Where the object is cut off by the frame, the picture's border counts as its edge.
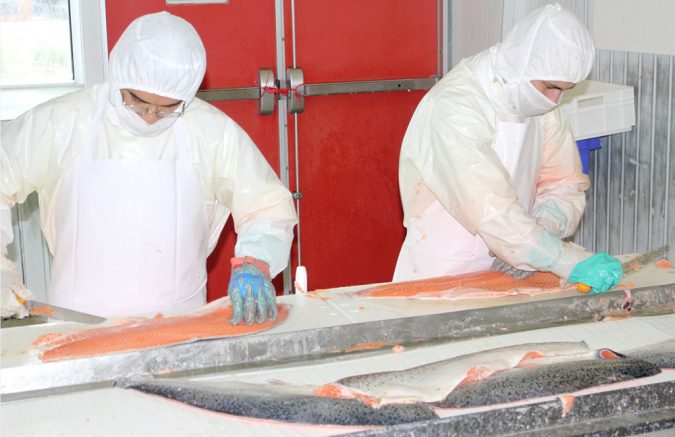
(531, 101)
(133, 122)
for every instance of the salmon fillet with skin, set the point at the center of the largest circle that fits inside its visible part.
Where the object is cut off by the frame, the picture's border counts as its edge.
(432, 382)
(469, 285)
(149, 333)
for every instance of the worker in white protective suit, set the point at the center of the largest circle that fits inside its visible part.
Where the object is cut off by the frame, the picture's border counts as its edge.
(136, 178)
(489, 165)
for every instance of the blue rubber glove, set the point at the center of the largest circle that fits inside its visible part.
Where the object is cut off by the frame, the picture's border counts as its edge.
(601, 272)
(251, 291)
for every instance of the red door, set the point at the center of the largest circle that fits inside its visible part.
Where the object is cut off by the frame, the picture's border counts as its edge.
(348, 137)
(348, 143)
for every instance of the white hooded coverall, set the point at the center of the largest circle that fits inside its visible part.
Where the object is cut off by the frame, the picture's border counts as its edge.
(479, 171)
(130, 211)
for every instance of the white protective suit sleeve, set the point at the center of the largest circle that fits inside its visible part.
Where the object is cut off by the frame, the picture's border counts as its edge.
(11, 282)
(560, 199)
(558, 206)
(261, 206)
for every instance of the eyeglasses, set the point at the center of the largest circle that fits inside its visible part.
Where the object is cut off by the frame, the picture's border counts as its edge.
(160, 114)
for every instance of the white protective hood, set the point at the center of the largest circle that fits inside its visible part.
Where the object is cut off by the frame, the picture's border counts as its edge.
(160, 54)
(549, 44)
(451, 176)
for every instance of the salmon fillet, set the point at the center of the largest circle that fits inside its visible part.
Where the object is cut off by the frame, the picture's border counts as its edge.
(466, 285)
(149, 333)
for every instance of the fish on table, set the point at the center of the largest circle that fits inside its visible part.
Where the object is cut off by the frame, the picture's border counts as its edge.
(282, 403)
(547, 380)
(484, 378)
(661, 354)
(207, 322)
(434, 381)
(474, 285)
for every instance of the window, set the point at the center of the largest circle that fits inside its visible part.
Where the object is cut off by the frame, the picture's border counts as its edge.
(35, 42)
(48, 48)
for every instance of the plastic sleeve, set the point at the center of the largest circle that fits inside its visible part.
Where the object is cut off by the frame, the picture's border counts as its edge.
(450, 146)
(517, 238)
(560, 199)
(262, 207)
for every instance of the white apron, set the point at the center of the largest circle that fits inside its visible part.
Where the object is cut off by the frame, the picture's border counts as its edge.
(131, 235)
(437, 245)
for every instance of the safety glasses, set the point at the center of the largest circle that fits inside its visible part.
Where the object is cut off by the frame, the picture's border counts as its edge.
(145, 111)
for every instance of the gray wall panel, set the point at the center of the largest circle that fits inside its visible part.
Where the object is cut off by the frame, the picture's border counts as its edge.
(660, 124)
(670, 157)
(631, 203)
(641, 232)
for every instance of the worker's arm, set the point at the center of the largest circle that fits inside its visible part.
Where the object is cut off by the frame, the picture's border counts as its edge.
(25, 146)
(517, 238)
(264, 216)
(461, 169)
(560, 199)
(261, 206)
(558, 207)
(11, 283)
(448, 144)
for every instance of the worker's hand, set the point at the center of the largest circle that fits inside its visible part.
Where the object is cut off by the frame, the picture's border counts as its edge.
(601, 272)
(251, 291)
(12, 286)
(499, 265)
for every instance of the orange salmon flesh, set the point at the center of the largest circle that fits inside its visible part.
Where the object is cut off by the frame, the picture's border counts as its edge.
(486, 280)
(149, 333)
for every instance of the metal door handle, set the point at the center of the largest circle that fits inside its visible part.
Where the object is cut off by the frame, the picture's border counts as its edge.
(295, 81)
(267, 84)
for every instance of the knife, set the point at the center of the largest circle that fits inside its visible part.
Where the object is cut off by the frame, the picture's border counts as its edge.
(36, 308)
(635, 264)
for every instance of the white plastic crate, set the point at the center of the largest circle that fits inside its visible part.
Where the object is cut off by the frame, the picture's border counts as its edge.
(596, 109)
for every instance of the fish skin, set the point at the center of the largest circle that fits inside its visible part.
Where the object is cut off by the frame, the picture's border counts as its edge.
(660, 354)
(553, 379)
(265, 402)
(432, 382)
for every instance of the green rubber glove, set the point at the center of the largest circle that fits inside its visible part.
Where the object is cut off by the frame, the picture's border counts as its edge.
(251, 292)
(601, 272)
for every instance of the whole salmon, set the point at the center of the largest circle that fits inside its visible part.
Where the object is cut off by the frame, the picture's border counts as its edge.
(547, 380)
(283, 403)
(661, 354)
(433, 382)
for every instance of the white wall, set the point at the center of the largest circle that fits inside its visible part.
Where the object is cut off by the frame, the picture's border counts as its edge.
(475, 26)
(644, 26)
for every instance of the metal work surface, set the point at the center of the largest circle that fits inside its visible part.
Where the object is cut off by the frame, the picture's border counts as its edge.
(115, 411)
(331, 323)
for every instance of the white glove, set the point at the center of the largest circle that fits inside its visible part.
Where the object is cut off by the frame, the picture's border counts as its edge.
(12, 286)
